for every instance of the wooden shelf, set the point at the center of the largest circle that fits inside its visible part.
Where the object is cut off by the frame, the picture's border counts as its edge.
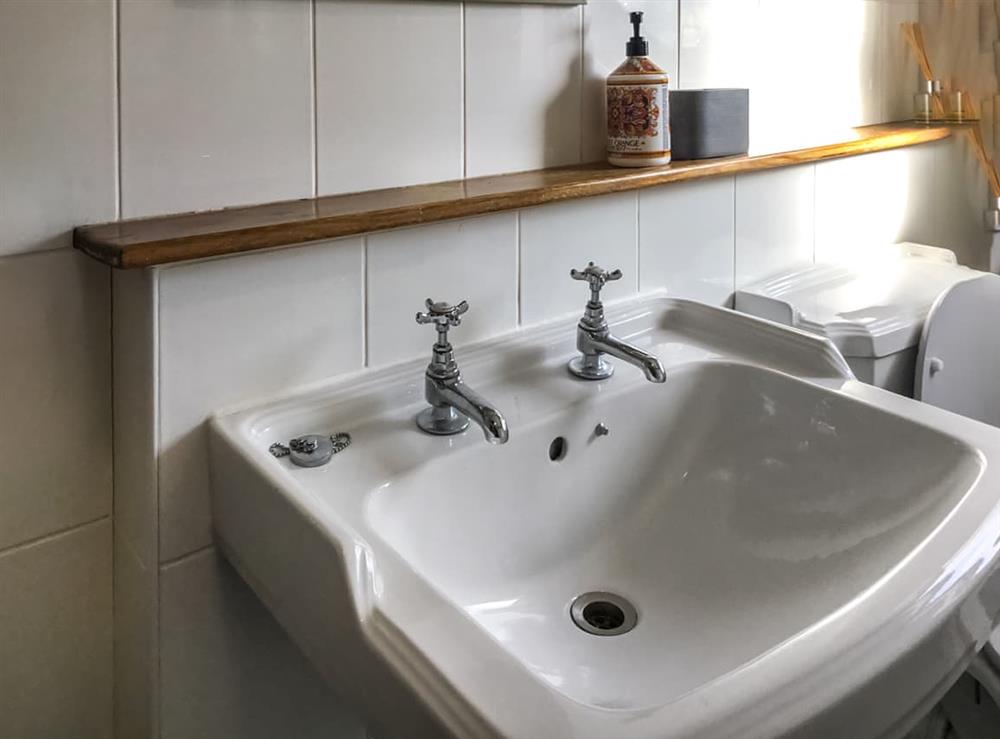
(176, 238)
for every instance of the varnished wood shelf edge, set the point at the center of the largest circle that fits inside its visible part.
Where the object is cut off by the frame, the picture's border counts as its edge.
(177, 238)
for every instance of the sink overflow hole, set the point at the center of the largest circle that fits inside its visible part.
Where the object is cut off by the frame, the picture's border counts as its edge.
(603, 614)
(558, 448)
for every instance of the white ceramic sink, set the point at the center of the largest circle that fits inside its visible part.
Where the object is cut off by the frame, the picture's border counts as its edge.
(763, 507)
(805, 553)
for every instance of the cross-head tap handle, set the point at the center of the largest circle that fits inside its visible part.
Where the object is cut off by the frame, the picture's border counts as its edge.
(597, 277)
(443, 316)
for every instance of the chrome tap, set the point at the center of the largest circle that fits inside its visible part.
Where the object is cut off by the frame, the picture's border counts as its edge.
(452, 402)
(594, 339)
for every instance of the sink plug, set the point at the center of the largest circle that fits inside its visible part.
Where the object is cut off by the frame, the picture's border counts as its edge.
(311, 450)
(601, 429)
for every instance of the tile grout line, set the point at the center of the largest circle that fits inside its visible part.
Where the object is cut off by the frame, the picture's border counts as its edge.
(464, 97)
(116, 15)
(51, 535)
(157, 697)
(814, 213)
(315, 100)
(583, 57)
(935, 173)
(37, 252)
(365, 356)
(883, 59)
(114, 496)
(154, 290)
(116, 51)
(518, 310)
(638, 241)
(187, 555)
(735, 241)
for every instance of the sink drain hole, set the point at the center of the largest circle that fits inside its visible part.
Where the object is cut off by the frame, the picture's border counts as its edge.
(603, 614)
(558, 448)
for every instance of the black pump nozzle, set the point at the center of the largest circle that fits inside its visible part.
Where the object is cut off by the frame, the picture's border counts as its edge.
(635, 18)
(637, 45)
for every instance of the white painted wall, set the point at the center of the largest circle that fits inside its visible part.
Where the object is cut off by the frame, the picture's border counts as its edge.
(123, 108)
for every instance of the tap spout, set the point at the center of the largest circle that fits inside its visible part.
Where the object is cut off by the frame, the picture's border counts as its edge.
(450, 397)
(593, 346)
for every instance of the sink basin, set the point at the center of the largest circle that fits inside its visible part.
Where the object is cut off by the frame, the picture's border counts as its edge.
(763, 507)
(801, 550)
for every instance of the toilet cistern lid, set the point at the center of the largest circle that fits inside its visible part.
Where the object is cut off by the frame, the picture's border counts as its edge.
(869, 307)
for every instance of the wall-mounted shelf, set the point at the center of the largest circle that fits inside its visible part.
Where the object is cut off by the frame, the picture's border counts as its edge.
(176, 238)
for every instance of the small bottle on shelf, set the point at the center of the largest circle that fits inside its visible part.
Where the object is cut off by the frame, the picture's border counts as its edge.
(954, 109)
(923, 103)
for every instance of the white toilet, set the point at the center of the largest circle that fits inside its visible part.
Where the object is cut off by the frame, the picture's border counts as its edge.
(909, 319)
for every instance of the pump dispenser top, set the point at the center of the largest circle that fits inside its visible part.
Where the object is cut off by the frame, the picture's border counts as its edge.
(637, 45)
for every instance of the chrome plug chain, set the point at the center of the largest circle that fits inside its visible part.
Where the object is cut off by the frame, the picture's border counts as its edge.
(311, 450)
(340, 442)
(279, 450)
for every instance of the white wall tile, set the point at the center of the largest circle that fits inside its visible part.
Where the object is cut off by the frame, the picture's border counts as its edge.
(719, 42)
(606, 29)
(216, 104)
(136, 663)
(774, 221)
(55, 621)
(235, 328)
(57, 120)
(522, 87)
(560, 237)
(867, 201)
(687, 239)
(474, 259)
(392, 116)
(229, 670)
(55, 337)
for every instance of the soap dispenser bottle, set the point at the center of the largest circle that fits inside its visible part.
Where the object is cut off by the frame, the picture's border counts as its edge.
(638, 107)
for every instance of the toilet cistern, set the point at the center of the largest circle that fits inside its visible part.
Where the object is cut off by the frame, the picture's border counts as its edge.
(594, 339)
(452, 402)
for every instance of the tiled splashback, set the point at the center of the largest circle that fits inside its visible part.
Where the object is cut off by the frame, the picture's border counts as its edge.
(134, 107)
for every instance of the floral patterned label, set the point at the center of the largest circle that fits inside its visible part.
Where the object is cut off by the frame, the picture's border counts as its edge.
(638, 119)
